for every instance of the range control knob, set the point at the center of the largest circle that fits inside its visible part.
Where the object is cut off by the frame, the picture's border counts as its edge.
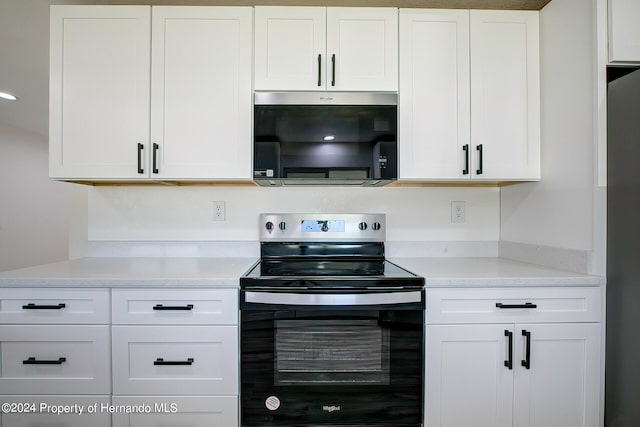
(282, 226)
(269, 226)
(324, 227)
(375, 226)
(362, 226)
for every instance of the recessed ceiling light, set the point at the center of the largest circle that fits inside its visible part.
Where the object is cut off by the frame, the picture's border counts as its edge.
(329, 137)
(8, 96)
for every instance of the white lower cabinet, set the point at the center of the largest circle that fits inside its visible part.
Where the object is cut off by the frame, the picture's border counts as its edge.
(504, 372)
(175, 357)
(165, 360)
(175, 411)
(55, 411)
(54, 359)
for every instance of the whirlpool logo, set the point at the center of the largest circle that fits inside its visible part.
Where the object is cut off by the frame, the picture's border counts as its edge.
(330, 408)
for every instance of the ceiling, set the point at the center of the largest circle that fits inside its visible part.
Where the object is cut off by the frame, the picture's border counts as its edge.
(24, 44)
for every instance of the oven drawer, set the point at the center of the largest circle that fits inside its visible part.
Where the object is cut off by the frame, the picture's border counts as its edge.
(513, 305)
(168, 360)
(54, 359)
(179, 411)
(54, 306)
(176, 307)
(21, 414)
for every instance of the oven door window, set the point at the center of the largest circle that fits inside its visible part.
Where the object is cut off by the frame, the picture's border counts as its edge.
(349, 351)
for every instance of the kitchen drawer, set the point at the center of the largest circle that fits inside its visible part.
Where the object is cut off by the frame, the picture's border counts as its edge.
(179, 411)
(169, 360)
(176, 307)
(54, 306)
(46, 406)
(54, 359)
(446, 306)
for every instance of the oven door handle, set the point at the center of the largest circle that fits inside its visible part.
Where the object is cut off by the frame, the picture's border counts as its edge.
(311, 299)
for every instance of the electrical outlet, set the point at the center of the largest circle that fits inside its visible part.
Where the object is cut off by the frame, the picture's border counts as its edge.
(458, 212)
(218, 211)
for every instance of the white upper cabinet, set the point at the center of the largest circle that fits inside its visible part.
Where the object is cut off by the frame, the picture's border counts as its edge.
(624, 32)
(505, 95)
(362, 49)
(136, 97)
(290, 48)
(99, 90)
(317, 48)
(201, 92)
(469, 95)
(434, 94)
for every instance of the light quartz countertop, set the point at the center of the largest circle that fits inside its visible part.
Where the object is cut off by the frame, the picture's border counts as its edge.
(225, 273)
(490, 272)
(132, 272)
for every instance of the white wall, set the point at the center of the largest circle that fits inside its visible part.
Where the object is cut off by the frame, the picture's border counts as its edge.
(34, 211)
(186, 213)
(560, 210)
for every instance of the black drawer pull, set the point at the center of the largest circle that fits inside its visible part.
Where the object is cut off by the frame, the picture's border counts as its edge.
(525, 305)
(479, 149)
(32, 306)
(140, 148)
(333, 69)
(527, 356)
(160, 307)
(154, 169)
(465, 148)
(34, 361)
(161, 362)
(509, 363)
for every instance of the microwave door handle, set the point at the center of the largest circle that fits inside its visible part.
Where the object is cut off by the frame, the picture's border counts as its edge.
(309, 299)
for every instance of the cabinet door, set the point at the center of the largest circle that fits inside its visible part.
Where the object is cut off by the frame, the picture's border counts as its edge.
(290, 45)
(467, 382)
(505, 95)
(175, 360)
(99, 90)
(179, 411)
(434, 83)
(562, 386)
(201, 93)
(624, 35)
(60, 359)
(41, 411)
(363, 42)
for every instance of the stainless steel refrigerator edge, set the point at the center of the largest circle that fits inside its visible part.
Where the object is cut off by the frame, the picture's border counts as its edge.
(622, 376)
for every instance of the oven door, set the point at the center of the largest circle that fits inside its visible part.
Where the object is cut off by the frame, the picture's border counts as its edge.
(339, 359)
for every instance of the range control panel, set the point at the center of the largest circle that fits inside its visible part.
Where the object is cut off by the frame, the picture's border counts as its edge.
(318, 227)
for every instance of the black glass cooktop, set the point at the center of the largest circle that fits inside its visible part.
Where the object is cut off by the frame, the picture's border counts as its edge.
(329, 273)
(327, 266)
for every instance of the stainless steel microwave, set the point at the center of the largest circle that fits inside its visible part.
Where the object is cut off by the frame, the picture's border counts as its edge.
(325, 138)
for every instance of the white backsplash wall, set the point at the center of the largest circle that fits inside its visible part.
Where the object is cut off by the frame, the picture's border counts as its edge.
(414, 214)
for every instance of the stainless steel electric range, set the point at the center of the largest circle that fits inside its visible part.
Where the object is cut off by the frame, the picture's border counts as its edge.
(331, 332)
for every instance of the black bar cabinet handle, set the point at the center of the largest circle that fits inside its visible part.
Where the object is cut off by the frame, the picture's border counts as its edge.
(34, 361)
(32, 306)
(319, 69)
(525, 305)
(140, 148)
(527, 356)
(479, 148)
(160, 307)
(509, 363)
(333, 69)
(465, 148)
(161, 362)
(155, 158)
